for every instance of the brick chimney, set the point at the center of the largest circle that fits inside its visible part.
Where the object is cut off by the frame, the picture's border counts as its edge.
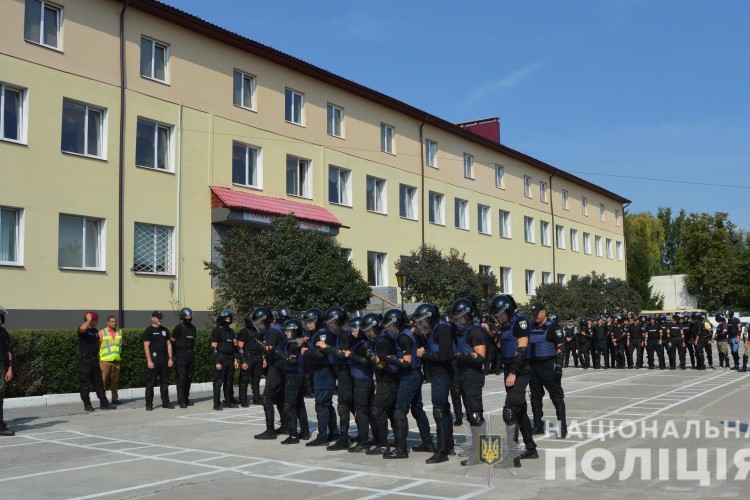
(489, 128)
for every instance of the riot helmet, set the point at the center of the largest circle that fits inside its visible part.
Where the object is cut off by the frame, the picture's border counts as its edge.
(261, 318)
(314, 316)
(186, 314)
(335, 318)
(504, 303)
(426, 317)
(394, 321)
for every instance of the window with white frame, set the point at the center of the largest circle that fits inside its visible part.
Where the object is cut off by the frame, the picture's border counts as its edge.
(499, 176)
(546, 277)
(608, 244)
(347, 253)
(430, 153)
(80, 243)
(528, 229)
(468, 166)
(544, 232)
(584, 206)
(153, 249)
(154, 60)
(565, 200)
(377, 269)
(298, 177)
(530, 279)
(560, 237)
(11, 236)
(83, 129)
(294, 103)
(12, 113)
(574, 240)
(339, 186)
(618, 249)
(543, 191)
(527, 186)
(335, 120)
(246, 165)
(153, 148)
(483, 219)
(617, 218)
(598, 245)
(601, 212)
(376, 195)
(505, 229)
(587, 243)
(562, 279)
(485, 270)
(42, 23)
(462, 214)
(387, 136)
(437, 208)
(407, 201)
(243, 94)
(506, 280)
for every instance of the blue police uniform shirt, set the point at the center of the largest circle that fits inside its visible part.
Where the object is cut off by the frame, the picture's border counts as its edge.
(510, 332)
(401, 344)
(358, 370)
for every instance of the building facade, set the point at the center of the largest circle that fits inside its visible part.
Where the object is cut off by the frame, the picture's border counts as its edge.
(133, 135)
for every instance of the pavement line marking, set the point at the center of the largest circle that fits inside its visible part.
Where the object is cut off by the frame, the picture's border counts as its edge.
(59, 471)
(19, 444)
(343, 479)
(149, 485)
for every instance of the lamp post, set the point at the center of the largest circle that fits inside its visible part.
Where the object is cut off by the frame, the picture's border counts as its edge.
(401, 278)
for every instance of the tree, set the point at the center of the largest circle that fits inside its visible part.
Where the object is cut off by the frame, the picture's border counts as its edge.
(644, 237)
(672, 236)
(284, 266)
(441, 279)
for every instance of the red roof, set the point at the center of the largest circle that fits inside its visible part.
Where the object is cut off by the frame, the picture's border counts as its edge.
(240, 200)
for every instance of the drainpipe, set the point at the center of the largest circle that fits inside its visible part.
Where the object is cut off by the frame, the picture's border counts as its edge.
(178, 266)
(421, 156)
(121, 180)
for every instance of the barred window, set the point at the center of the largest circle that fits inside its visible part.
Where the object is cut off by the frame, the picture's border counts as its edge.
(153, 249)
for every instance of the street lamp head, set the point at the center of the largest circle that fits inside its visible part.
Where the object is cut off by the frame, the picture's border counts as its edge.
(485, 288)
(401, 278)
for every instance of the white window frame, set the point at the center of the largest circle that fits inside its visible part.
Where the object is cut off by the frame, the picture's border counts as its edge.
(388, 139)
(22, 112)
(562, 279)
(461, 215)
(379, 195)
(484, 270)
(618, 250)
(528, 229)
(602, 212)
(587, 243)
(499, 176)
(608, 247)
(169, 148)
(152, 73)
(543, 191)
(484, 219)
(574, 240)
(546, 277)
(560, 237)
(584, 206)
(544, 233)
(437, 212)
(565, 199)
(430, 153)
(598, 246)
(245, 80)
(59, 19)
(468, 166)
(102, 132)
(297, 115)
(303, 177)
(256, 156)
(506, 279)
(171, 248)
(347, 253)
(412, 204)
(530, 281)
(505, 224)
(343, 185)
(18, 233)
(380, 268)
(617, 218)
(527, 186)
(101, 265)
(334, 118)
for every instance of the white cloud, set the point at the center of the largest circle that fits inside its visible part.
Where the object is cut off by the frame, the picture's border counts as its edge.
(512, 79)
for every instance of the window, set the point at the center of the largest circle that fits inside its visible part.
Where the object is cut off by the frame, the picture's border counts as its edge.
(152, 145)
(587, 243)
(584, 206)
(618, 249)
(407, 200)
(377, 269)
(561, 279)
(546, 278)
(437, 208)
(468, 166)
(485, 270)
(617, 218)
(154, 59)
(244, 90)
(462, 214)
(11, 237)
(601, 212)
(298, 175)
(430, 153)
(79, 243)
(12, 113)
(335, 121)
(82, 129)
(339, 186)
(574, 240)
(376, 195)
(293, 104)
(560, 237)
(347, 253)
(565, 200)
(245, 165)
(153, 249)
(544, 233)
(609, 248)
(42, 23)
(387, 134)
(506, 280)
(543, 191)
(527, 186)
(528, 229)
(530, 282)
(499, 177)
(483, 219)
(504, 224)
(598, 244)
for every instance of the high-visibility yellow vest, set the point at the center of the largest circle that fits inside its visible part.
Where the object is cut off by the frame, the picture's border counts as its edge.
(110, 349)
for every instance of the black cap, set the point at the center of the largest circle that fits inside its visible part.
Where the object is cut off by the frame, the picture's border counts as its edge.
(157, 314)
(536, 307)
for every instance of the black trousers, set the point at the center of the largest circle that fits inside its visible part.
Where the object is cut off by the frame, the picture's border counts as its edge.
(294, 404)
(383, 406)
(184, 368)
(570, 348)
(690, 349)
(471, 381)
(273, 393)
(619, 353)
(601, 348)
(89, 373)
(251, 376)
(160, 371)
(676, 348)
(345, 391)
(542, 376)
(584, 355)
(224, 377)
(653, 345)
(636, 347)
(363, 395)
(455, 390)
(514, 409)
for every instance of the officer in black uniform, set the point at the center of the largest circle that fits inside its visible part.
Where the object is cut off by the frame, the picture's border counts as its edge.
(294, 383)
(183, 345)
(223, 349)
(653, 342)
(250, 348)
(688, 329)
(471, 350)
(455, 386)
(514, 339)
(722, 340)
(335, 319)
(675, 338)
(89, 372)
(584, 339)
(734, 330)
(6, 369)
(635, 342)
(387, 384)
(618, 341)
(545, 367)
(601, 345)
(362, 361)
(570, 346)
(324, 375)
(273, 393)
(158, 349)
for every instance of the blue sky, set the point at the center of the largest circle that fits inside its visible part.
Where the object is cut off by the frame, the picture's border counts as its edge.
(647, 98)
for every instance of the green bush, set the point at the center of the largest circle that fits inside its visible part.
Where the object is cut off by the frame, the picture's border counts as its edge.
(46, 361)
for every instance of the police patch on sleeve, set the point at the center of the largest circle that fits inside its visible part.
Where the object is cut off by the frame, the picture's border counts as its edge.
(559, 334)
(523, 325)
(323, 338)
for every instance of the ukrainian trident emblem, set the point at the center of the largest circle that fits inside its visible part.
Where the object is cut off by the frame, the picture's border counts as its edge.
(490, 446)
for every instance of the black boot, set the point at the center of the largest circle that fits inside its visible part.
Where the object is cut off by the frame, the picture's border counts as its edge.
(744, 363)
(562, 423)
(400, 431)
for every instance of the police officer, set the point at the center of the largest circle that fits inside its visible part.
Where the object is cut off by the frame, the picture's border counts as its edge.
(601, 345)
(635, 342)
(387, 384)
(734, 329)
(471, 350)
(703, 333)
(545, 367)
(294, 380)
(675, 339)
(158, 349)
(618, 341)
(584, 339)
(6, 369)
(335, 319)
(183, 345)
(455, 383)
(653, 342)
(722, 340)
(570, 343)
(324, 375)
(250, 348)
(362, 361)
(223, 349)
(688, 321)
(89, 371)
(273, 393)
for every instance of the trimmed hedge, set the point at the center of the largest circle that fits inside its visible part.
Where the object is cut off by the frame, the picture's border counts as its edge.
(46, 361)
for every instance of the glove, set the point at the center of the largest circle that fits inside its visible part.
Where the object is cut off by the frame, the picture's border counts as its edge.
(557, 375)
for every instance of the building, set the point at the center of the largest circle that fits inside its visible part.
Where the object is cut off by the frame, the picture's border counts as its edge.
(674, 292)
(133, 134)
